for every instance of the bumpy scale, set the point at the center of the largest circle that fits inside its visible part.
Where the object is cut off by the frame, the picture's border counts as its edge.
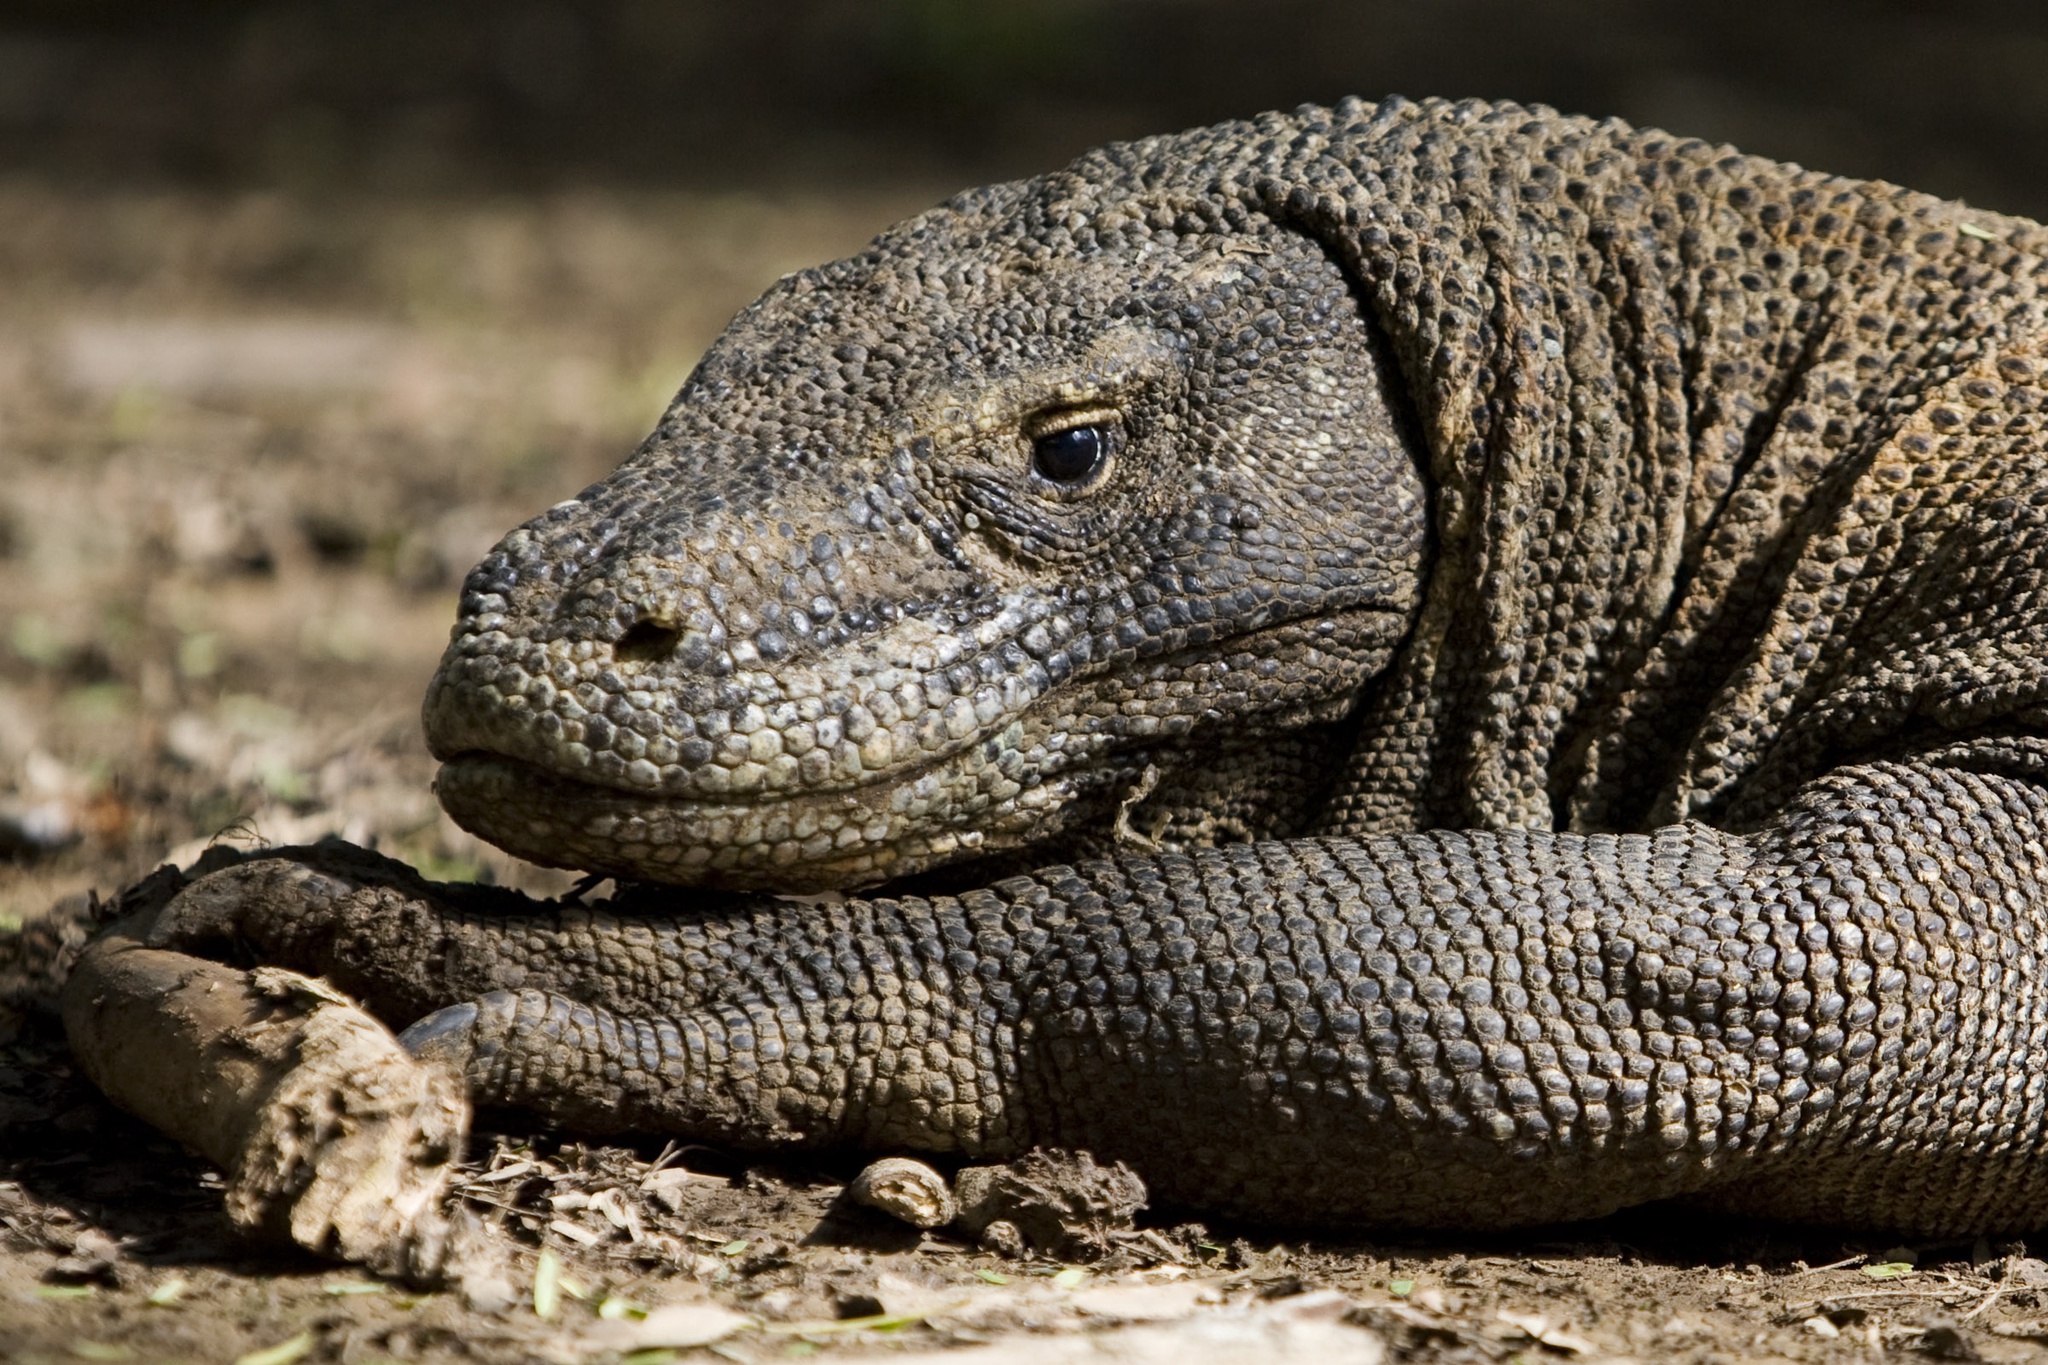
(1523, 696)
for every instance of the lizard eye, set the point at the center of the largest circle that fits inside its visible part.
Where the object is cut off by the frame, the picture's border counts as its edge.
(1073, 456)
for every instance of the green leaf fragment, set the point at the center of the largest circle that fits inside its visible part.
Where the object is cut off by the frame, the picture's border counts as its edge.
(874, 1322)
(284, 1353)
(285, 782)
(1071, 1278)
(1889, 1270)
(547, 1285)
(64, 1291)
(1972, 230)
(894, 1322)
(199, 655)
(354, 1287)
(734, 1247)
(993, 1277)
(1401, 1289)
(169, 1292)
(612, 1309)
(101, 1350)
(35, 639)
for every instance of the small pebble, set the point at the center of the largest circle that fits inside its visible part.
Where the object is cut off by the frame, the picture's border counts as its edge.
(1003, 1238)
(490, 1292)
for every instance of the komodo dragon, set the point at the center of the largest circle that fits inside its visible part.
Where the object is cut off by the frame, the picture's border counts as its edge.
(1419, 664)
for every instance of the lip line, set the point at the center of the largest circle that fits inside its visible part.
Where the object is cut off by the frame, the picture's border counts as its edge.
(624, 796)
(848, 794)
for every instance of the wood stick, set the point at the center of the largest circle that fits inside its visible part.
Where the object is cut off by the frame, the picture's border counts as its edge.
(334, 1138)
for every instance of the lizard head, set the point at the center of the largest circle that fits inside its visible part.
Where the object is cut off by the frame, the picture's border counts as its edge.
(1063, 514)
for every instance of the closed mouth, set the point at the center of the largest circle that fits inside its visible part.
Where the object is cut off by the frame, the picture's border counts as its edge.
(805, 841)
(582, 792)
(582, 789)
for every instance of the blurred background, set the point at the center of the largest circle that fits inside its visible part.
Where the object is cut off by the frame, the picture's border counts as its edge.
(302, 302)
(516, 95)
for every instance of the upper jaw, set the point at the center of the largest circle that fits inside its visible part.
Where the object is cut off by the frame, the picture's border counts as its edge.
(913, 695)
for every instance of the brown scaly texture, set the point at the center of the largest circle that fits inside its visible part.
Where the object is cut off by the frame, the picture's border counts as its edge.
(1740, 467)
(1541, 699)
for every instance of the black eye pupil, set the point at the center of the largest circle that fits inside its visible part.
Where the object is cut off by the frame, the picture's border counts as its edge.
(1070, 456)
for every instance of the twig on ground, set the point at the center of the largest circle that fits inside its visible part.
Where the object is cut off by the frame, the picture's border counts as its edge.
(1842, 1264)
(1988, 1300)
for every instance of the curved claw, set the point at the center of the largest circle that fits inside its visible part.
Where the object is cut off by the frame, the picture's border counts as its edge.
(579, 1066)
(450, 1036)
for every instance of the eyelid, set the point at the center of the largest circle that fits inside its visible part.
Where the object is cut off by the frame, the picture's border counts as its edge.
(1067, 419)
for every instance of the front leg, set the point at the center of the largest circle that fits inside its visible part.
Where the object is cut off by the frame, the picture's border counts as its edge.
(756, 1022)
(1835, 1018)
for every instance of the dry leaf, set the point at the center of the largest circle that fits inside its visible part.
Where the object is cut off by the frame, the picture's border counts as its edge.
(1539, 1330)
(676, 1326)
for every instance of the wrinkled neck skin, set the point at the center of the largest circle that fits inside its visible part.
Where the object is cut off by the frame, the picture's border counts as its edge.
(1660, 386)
(1452, 457)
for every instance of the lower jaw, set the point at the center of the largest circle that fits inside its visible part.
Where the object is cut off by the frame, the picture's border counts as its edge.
(839, 841)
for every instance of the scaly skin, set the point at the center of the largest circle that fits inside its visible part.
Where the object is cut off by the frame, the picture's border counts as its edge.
(1540, 712)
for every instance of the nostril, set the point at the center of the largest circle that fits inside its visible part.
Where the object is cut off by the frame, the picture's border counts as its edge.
(646, 642)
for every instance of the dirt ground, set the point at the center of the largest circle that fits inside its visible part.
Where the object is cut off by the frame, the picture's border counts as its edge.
(247, 447)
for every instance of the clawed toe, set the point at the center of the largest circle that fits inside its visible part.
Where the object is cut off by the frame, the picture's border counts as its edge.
(447, 1036)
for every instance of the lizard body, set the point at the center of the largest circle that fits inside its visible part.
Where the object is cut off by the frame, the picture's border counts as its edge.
(1425, 664)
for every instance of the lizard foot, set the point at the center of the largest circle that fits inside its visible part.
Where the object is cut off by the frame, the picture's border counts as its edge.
(577, 1066)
